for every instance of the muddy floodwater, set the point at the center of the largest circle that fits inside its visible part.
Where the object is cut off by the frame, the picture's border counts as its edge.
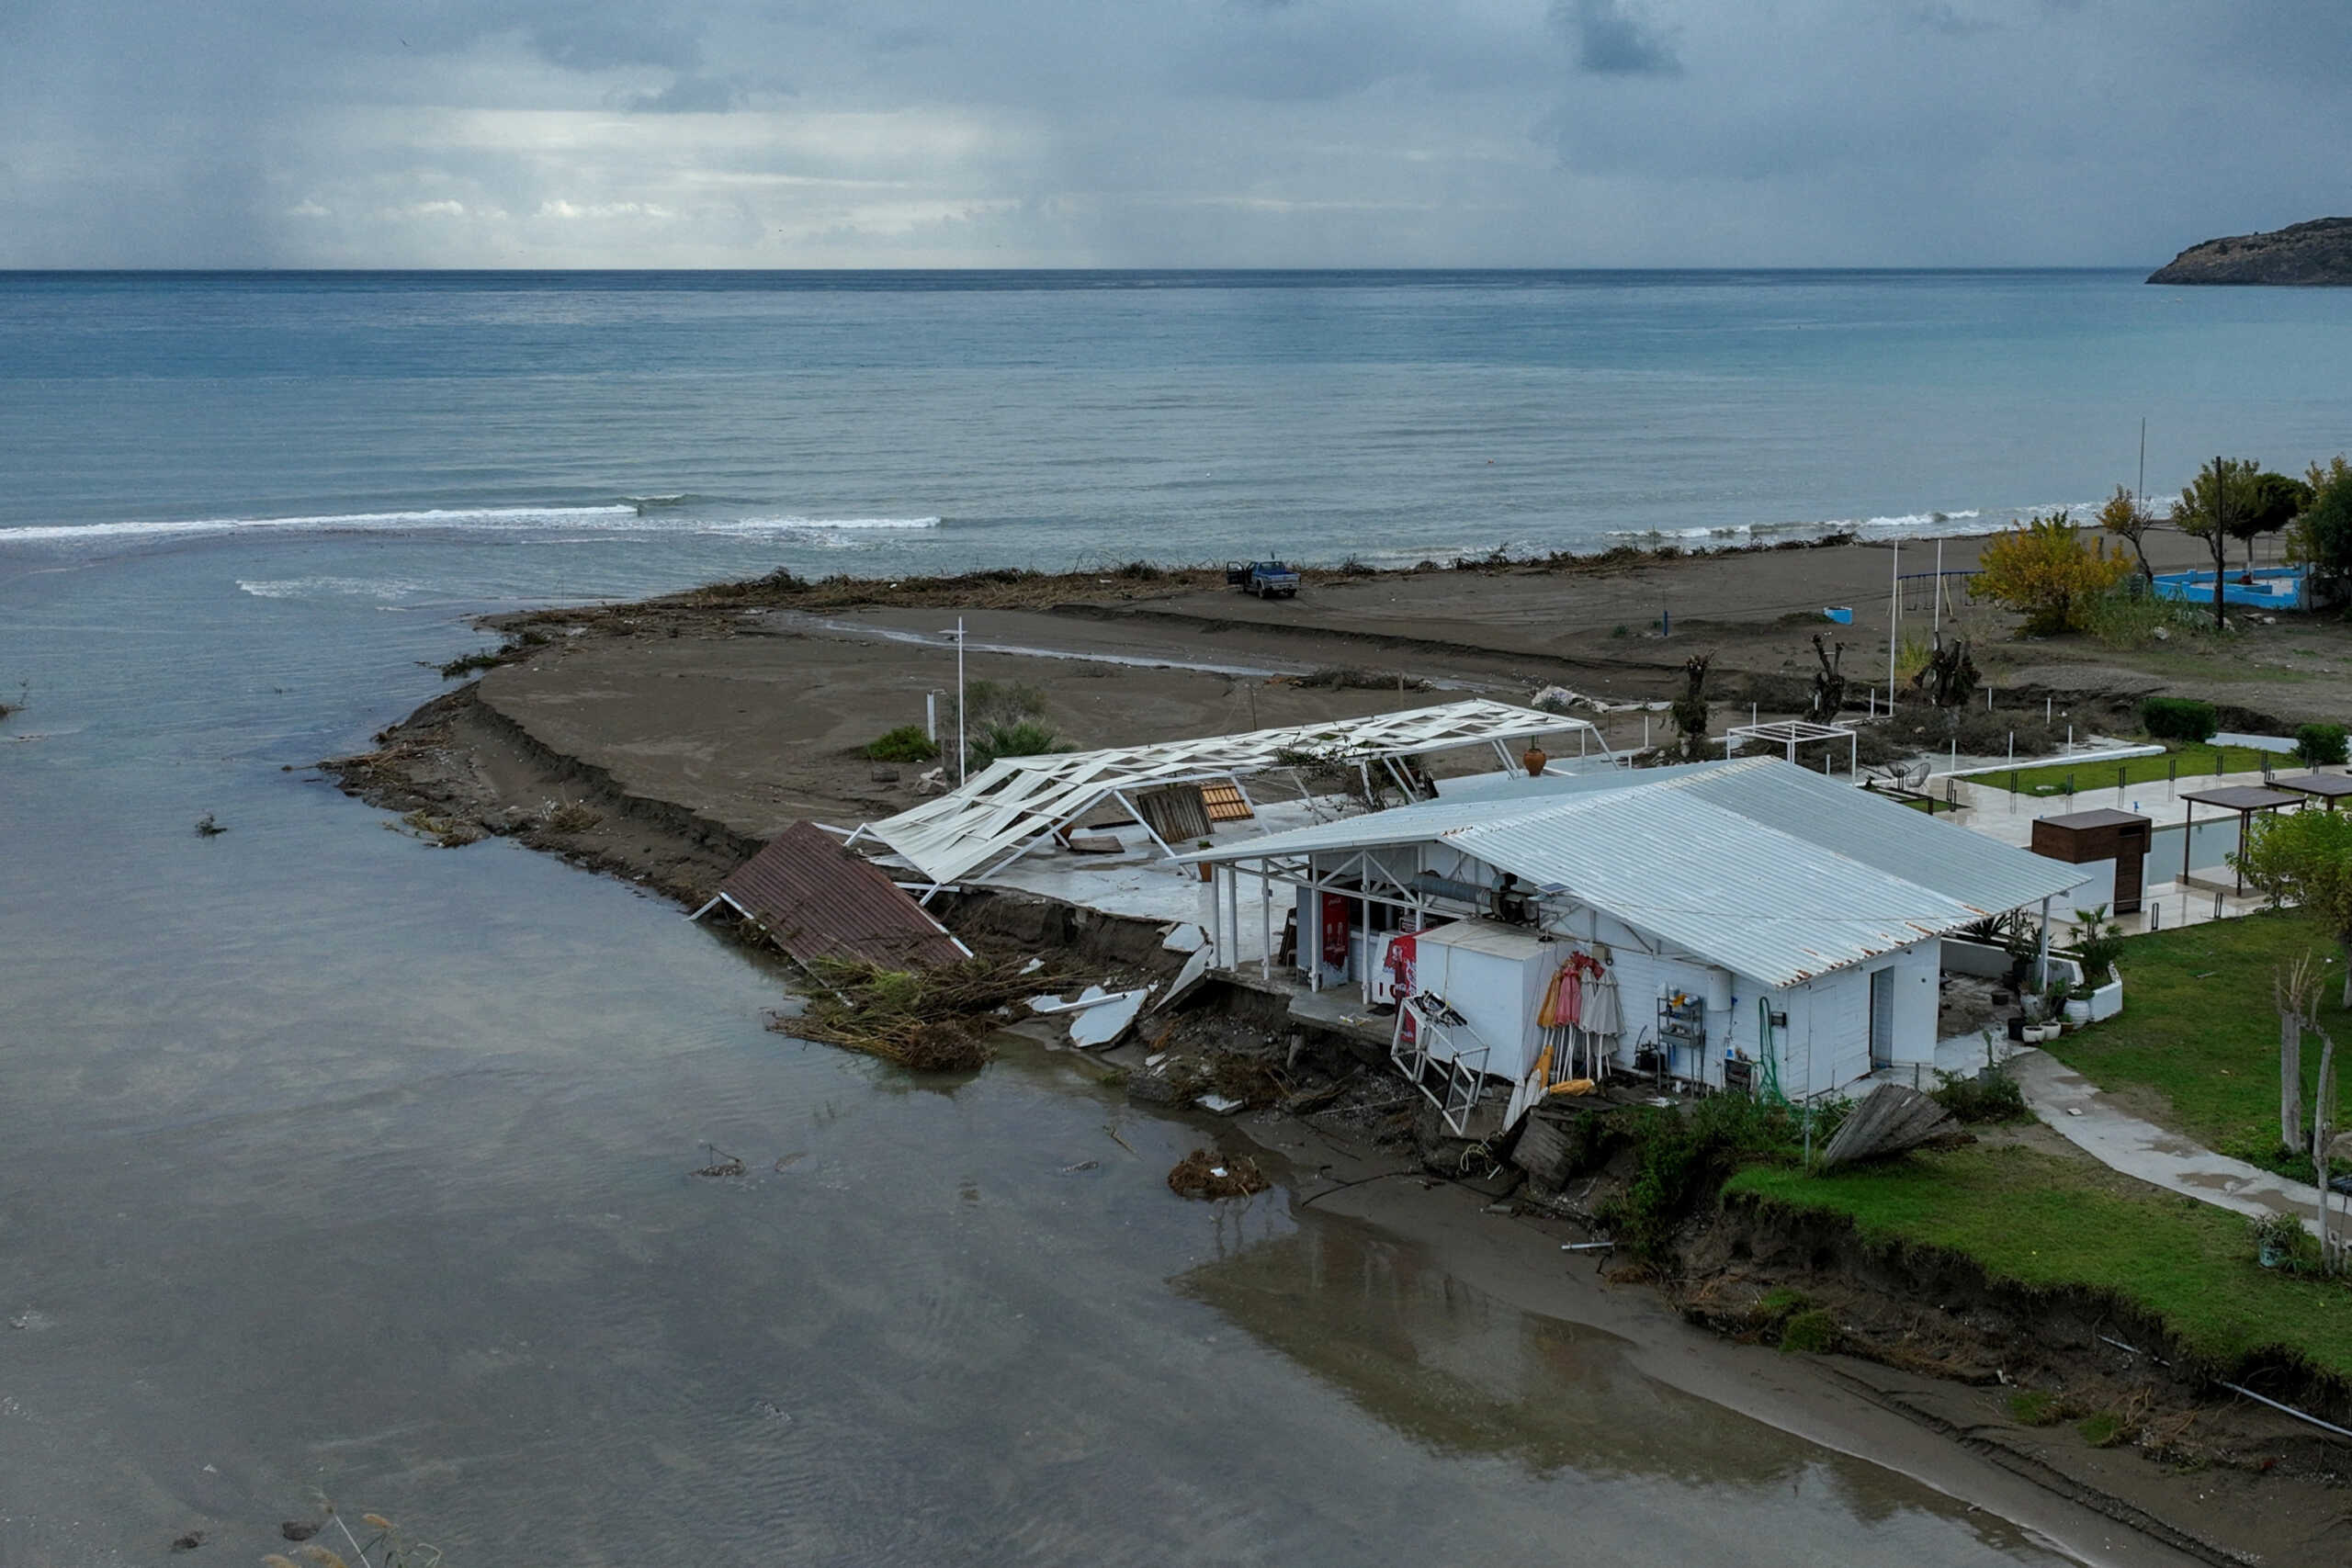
(331, 1163)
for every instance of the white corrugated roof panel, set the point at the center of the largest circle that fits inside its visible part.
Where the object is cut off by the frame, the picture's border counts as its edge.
(1744, 863)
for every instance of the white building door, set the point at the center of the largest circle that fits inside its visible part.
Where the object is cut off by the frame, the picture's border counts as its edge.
(1882, 1018)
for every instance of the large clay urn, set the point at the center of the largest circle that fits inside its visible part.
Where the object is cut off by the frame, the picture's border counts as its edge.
(1534, 758)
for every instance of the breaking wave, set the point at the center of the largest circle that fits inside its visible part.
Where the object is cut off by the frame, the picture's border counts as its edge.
(326, 587)
(629, 518)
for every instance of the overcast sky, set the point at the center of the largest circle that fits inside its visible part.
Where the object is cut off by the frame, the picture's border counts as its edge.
(1182, 133)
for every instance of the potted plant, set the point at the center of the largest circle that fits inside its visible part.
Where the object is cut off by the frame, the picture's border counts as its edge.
(2100, 940)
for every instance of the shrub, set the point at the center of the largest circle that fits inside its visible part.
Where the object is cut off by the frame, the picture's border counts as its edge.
(2318, 743)
(2129, 616)
(1001, 701)
(1813, 1331)
(2178, 718)
(906, 743)
(2044, 569)
(1682, 1154)
(1992, 1095)
(1026, 738)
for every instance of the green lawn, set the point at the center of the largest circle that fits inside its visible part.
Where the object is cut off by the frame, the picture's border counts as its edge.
(2188, 763)
(2042, 1221)
(2199, 1029)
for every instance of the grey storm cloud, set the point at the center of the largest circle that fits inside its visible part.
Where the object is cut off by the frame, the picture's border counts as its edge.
(1613, 39)
(1201, 133)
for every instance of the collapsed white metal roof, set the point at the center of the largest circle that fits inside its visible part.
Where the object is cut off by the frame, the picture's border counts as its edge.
(1762, 868)
(1002, 811)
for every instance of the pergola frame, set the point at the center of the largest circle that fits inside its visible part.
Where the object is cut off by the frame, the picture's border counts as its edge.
(1017, 802)
(1790, 733)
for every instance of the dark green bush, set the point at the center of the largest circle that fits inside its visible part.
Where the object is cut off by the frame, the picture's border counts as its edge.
(2178, 718)
(1683, 1155)
(906, 743)
(1815, 1331)
(1991, 1096)
(2318, 743)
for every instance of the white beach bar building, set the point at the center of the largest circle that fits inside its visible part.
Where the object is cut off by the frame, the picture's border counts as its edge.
(1744, 924)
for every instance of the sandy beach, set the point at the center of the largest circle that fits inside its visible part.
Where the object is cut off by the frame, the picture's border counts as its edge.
(706, 722)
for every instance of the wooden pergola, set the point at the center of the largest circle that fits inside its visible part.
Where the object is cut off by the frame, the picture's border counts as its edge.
(2243, 799)
(2330, 787)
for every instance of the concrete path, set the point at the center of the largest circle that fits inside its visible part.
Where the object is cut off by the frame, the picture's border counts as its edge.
(2089, 1119)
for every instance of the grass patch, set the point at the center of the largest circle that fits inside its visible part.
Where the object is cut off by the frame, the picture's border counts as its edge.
(2190, 764)
(2197, 1027)
(2103, 1430)
(2047, 1222)
(2036, 1407)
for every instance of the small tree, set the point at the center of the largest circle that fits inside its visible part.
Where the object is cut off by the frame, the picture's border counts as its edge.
(2306, 857)
(2322, 536)
(2045, 569)
(2222, 492)
(1689, 711)
(2275, 500)
(1828, 683)
(2126, 516)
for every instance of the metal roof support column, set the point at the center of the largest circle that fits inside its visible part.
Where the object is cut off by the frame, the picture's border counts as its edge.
(2041, 948)
(1266, 920)
(1233, 913)
(1218, 938)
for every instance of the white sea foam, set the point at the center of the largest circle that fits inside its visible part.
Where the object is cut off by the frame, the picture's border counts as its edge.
(485, 519)
(326, 587)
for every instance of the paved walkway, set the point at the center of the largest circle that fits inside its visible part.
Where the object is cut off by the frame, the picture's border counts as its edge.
(2089, 1119)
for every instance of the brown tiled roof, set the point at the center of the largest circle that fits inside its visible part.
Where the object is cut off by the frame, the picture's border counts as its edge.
(816, 899)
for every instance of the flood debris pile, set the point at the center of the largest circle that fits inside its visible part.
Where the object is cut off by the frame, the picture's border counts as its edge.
(1208, 1175)
(937, 1021)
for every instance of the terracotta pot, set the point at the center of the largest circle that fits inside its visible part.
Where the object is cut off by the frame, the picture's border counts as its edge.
(1534, 759)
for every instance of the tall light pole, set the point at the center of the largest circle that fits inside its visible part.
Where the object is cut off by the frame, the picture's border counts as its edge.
(959, 635)
(1894, 620)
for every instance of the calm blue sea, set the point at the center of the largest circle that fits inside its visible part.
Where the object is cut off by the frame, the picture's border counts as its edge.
(335, 1163)
(676, 424)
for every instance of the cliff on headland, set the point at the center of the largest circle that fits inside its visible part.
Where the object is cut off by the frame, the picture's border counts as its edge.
(2319, 252)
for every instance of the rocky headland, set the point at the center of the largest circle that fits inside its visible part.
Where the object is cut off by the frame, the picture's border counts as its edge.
(2317, 253)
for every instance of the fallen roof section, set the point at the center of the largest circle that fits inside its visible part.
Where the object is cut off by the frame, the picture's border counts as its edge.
(816, 899)
(1001, 813)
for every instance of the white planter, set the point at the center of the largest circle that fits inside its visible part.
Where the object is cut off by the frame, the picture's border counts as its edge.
(2078, 1012)
(2107, 1000)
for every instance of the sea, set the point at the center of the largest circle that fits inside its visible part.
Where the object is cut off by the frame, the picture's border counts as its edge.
(334, 1168)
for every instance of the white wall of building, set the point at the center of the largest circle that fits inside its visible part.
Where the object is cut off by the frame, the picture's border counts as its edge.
(1824, 1047)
